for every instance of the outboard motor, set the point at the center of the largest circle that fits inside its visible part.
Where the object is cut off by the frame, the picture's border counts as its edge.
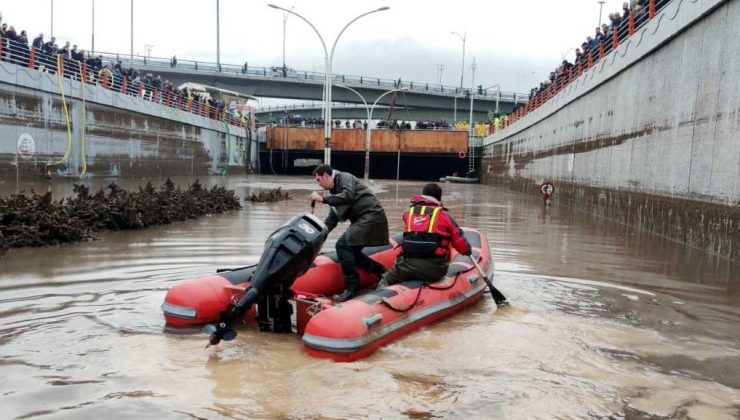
(289, 253)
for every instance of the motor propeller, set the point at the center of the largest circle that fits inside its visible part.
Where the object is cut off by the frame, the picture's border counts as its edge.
(289, 252)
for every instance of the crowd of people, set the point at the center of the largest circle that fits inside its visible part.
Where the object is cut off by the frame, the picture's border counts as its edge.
(71, 62)
(391, 124)
(607, 37)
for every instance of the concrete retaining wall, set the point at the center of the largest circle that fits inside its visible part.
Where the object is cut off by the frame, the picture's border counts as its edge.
(124, 136)
(650, 136)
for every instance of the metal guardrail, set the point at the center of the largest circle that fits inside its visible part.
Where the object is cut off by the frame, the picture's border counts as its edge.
(35, 58)
(618, 35)
(292, 74)
(312, 105)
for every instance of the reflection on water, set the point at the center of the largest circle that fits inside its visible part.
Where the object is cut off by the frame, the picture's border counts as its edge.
(605, 321)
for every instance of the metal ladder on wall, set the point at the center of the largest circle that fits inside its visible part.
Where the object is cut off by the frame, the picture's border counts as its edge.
(471, 152)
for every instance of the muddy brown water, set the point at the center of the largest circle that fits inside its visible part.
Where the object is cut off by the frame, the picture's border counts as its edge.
(605, 322)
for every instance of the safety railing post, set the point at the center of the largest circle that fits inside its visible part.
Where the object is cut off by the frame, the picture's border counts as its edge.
(590, 61)
(2, 42)
(60, 65)
(124, 84)
(601, 48)
(140, 94)
(651, 9)
(31, 57)
(579, 67)
(615, 38)
(631, 24)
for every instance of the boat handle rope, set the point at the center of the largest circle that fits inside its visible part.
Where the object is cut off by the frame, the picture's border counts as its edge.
(393, 308)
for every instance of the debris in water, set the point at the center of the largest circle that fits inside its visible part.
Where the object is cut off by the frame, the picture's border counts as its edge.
(272, 195)
(38, 220)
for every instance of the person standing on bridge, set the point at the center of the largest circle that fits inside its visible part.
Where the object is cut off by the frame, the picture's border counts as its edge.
(351, 200)
(429, 233)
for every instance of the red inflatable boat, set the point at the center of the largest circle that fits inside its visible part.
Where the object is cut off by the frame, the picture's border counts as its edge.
(341, 331)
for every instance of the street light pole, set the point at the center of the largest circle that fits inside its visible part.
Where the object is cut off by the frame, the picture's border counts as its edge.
(52, 18)
(92, 47)
(218, 34)
(601, 5)
(440, 69)
(132, 29)
(463, 38)
(328, 76)
(472, 88)
(285, 22)
(369, 110)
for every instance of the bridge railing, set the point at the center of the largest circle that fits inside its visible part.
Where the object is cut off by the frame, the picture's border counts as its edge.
(57, 64)
(619, 34)
(292, 74)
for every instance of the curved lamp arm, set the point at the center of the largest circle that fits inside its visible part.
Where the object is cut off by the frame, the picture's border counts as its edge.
(331, 55)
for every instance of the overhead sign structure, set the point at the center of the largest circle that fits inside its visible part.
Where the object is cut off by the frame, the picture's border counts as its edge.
(26, 146)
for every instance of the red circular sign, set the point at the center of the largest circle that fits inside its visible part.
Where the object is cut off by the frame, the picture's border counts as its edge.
(547, 189)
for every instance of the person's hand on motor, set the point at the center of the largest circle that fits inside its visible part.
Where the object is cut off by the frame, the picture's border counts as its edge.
(316, 197)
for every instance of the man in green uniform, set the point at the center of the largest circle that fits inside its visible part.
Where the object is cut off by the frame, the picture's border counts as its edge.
(351, 200)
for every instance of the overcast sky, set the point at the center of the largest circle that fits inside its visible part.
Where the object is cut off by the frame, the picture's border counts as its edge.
(515, 43)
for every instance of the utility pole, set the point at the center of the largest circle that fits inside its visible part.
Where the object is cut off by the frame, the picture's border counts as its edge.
(440, 69)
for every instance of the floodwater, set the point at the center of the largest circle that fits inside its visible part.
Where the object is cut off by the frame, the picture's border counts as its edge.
(604, 322)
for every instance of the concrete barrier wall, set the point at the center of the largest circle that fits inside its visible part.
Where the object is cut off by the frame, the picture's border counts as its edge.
(381, 140)
(123, 136)
(650, 136)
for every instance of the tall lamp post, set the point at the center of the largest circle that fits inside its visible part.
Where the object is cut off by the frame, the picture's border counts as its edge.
(132, 29)
(601, 5)
(369, 110)
(328, 76)
(92, 47)
(472, 90)
(463, 38)
(285, 22)
(218, 34)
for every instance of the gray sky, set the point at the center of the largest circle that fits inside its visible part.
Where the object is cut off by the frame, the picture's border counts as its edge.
(515, 43)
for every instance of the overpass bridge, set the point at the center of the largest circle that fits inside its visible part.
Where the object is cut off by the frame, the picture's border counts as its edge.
(429, 101)
(343, 111)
